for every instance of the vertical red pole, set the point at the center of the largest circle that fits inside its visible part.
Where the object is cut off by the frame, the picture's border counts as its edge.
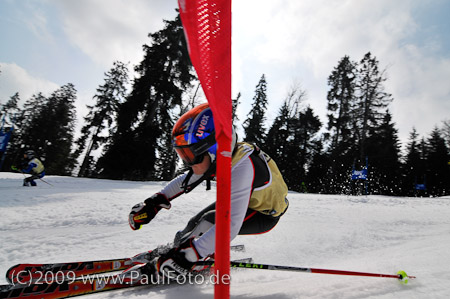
(223, 207)
(207, 26)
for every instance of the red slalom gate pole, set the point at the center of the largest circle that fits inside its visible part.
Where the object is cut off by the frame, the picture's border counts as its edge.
(207, 27)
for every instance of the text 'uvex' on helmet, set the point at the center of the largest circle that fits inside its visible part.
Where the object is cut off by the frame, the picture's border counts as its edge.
(193, 135)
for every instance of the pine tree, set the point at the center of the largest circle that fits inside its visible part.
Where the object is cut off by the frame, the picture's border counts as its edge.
(446, 132)
(145, 120)
(235, 103)
(48, 128)
(60, 136)
(254, 124)
(317, 175)
(281, 132)
(341, 97)
(414, 166)
(383, 149)
(291, 140)
(302, 148)
(11, 106)
(102, 115)
(372, 100)
(32, 108)
(341, 134)
(166, 160)
(438, 170)
(278, 137)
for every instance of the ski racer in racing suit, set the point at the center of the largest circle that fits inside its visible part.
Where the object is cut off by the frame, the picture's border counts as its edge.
(258, 192)
(33, 166)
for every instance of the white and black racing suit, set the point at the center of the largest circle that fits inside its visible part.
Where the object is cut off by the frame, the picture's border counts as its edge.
(258, 198)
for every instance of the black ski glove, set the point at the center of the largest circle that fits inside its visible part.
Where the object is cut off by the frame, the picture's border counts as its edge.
(144, 212)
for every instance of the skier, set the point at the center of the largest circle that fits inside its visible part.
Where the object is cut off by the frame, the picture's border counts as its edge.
(258, 193)
(33, 166)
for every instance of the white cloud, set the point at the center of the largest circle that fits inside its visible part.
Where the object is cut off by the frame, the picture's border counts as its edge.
(14, 78)
(113, 30)
(316, 34)
(419, 85)
(304, 40)
(37, 23)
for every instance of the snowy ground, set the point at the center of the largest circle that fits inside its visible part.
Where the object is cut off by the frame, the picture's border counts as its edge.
(85, 219)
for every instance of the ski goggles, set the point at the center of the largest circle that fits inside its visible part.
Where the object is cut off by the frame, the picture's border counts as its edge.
(188, 157)
(194, 153)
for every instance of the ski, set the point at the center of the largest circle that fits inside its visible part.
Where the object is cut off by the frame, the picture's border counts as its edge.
(90, 284)
(67, 288)
(26, 273)
(32, 273)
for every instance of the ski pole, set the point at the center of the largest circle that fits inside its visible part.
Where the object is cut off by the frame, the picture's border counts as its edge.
(401, 275)
(38, 178)
(45, 181)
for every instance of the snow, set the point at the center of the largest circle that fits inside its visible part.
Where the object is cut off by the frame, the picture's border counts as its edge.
(86, 219)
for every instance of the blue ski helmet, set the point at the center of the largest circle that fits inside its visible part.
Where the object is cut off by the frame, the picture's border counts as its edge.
(193, 135)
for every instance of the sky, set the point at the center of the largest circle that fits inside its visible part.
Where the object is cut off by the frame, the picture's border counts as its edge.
(45, 44)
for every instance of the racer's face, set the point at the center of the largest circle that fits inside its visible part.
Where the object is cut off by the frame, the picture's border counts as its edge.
(202, 167)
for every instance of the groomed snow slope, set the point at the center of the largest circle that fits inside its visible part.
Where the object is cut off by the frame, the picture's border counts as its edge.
(86, 219)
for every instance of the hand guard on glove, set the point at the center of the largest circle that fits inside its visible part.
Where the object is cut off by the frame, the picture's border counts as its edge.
(144, 212)
(178, 261)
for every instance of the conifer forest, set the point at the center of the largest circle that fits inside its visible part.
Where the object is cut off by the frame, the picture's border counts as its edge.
(126, 134)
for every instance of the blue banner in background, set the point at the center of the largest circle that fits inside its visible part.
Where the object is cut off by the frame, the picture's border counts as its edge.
(4, 138)
(421, 187)
(359, 174)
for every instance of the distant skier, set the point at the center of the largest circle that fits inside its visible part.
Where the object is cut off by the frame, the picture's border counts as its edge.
(258, 192)
(33, 166)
